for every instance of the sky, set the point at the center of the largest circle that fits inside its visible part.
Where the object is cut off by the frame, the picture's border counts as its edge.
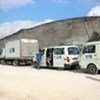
(23, 14)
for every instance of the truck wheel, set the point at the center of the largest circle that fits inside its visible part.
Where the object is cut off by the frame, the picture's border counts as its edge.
(2, 62)
(15, 63)
(92, 69)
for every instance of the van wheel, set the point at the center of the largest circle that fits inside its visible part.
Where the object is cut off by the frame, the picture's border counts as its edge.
(15, 63)
(92, 69)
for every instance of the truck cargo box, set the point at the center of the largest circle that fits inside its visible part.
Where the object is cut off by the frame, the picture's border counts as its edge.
(21, 49)
(2, 53)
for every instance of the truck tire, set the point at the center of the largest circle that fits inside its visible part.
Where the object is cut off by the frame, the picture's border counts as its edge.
(2, 61)
(15, 63)
(92, 69)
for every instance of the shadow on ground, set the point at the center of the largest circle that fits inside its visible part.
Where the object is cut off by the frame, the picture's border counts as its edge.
(81, 71)
(76, 70)
(52, 68)
(93, 78)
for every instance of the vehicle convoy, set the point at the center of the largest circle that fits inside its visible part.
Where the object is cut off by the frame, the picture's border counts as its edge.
(90, 57)
(19, 52)
(60, 56)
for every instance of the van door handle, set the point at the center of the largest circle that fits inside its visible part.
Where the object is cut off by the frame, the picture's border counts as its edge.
(95, 55)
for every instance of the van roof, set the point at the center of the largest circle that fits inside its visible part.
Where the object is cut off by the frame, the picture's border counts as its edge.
(89, 43)
(62, 46)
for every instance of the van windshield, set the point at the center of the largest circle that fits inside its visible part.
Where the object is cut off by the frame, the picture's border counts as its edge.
(73, 51)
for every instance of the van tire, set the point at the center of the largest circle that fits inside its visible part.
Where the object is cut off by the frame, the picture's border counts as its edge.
(92, 69)
(15, 63)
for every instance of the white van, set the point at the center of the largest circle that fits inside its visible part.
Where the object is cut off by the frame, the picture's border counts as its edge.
(90, 57)
(61, 56)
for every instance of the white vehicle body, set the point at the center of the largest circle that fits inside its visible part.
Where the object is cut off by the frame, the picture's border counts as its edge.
(62, 56)
(2, 53)
(90, 57)
(22, 50)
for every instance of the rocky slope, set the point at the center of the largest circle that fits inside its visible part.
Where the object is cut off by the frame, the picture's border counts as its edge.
(60, 32)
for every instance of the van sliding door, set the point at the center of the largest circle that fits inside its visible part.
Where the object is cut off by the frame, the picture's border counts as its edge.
(59, 57)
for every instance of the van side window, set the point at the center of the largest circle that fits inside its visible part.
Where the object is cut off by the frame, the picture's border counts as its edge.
(13, 49)
(10, 50)
(89, 49)
(73, 51)
(59, 51)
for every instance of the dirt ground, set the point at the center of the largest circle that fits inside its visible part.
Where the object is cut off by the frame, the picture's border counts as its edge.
(27, 83)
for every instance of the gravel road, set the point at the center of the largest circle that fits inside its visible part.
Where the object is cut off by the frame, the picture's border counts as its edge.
(27, 83)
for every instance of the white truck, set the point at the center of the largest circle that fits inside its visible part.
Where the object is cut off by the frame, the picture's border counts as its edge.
(2, 54)
(90, 57)
(19, 52)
